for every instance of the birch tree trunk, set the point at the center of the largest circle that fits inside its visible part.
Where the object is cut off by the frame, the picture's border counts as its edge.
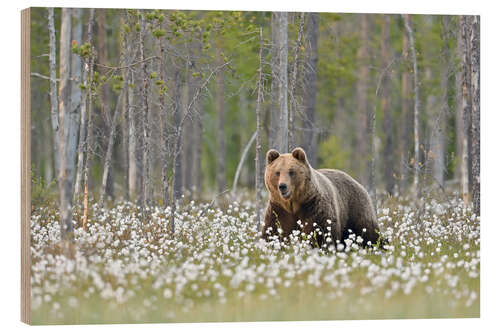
(83, 113)
(458, 104)
(438, 146)
(283, 81)
(187, 162)
(274, 130)
(102, 57)
(88, 141)
(466, 106)
(125, 45)
(293, 85)
(363, 109)
(432, 110)
(405, 139)
(310, 134)
(133, 178)
(197, 153)
(416, 106)
(475, 125)
(54, 116)
(386, 53)
(258, 139)
(126, 139)
(177, 158)
(221, 138)
(146, 156)
(165, 152)
(241, 162)
(66, 122)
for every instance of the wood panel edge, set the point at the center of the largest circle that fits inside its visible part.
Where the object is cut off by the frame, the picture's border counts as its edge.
(25, 166)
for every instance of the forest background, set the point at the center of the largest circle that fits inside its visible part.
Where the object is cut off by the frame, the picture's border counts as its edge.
(151, 105)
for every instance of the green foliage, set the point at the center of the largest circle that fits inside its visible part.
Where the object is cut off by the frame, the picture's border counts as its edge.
(117, 83)
(332, 154)
(42, 191)
(159, 33)
(82, 50)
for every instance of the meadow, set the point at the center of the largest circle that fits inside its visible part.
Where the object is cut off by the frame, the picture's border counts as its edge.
(127, 268)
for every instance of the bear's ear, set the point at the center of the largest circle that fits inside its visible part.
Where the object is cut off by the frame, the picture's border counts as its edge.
(272, 154)
(300, 155)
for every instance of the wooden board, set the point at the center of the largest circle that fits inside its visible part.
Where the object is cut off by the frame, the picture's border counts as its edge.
(25, 166)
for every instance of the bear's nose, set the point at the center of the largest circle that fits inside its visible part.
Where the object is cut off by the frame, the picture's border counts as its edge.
(282, 187)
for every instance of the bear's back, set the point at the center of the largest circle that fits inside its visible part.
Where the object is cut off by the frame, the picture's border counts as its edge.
(345, 184)
(352, 193)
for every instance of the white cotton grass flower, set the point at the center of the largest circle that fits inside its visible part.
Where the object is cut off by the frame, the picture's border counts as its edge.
(218, 257)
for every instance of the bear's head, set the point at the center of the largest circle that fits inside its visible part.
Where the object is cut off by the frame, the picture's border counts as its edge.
(287, 175)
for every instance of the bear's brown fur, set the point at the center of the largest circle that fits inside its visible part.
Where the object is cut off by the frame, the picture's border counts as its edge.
(318, 198)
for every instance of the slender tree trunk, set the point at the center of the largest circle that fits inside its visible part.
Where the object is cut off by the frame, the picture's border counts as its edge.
(165, 152)
(83, 113)
(241, 162)
(466, 106)
(146, 156)
(283, 80)
(310, 134)
(258, 139)
(54, 116)
(274, 130)
(221, 140)
(363, 110)
(197, 154)
(438, 146)
(102, 57)
(197, 125)
(133, 170)
(125, 45)
(458, 105)
(65, 121)
(173, 197)
(429, 134)
(76, 93)
(405, 139)
(187, 162)
(176, 160)
(475, 124)
(164, 146)
(126, 138)
(386, 109)
(243, 121)
(293, 98)
(88, 141)
(416, 106)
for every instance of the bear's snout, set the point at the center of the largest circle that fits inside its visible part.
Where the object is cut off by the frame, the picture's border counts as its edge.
(285, 193)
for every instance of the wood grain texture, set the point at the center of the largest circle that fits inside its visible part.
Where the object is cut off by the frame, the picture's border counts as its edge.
(25, 166)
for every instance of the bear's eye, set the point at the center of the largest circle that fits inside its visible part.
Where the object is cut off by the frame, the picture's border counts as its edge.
(277, 173)
(291, 172)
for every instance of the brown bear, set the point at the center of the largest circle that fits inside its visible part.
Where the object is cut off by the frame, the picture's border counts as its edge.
(318, 198)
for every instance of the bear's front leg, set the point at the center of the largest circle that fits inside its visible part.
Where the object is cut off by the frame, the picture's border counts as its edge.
(323, 227)
(277, 218)
(269, 228)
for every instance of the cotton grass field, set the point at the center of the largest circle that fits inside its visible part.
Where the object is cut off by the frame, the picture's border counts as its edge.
(127, 267)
